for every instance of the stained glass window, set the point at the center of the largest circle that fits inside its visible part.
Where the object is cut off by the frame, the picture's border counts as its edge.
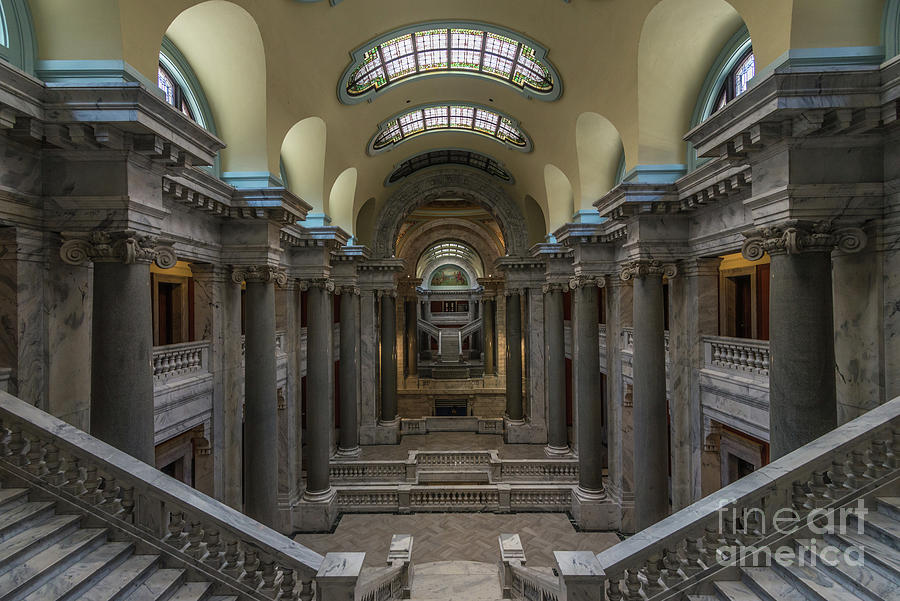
(173, 92)
(4, 36)
(436, 49)
(449, 157)
(450, 117)
(737, 80)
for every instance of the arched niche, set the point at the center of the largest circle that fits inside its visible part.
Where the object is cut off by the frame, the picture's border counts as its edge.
(560, 198)
(535, 220)
(480, 189)
(599, 149)
(303, 158)
(341, 199)
(223, 44)
(672, 65)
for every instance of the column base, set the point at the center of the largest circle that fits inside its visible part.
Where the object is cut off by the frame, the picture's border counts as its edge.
(388, 432)
(516, 431)
(625, 503)
(594, 510)
(315, 512)
(552, 451)
(348, 453)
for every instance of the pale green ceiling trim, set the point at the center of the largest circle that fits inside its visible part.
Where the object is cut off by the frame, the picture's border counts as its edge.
(18, 44)
(890, 29)
(357, 57)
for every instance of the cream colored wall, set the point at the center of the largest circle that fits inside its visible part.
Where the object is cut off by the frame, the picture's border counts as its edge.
(87, 29)
(303, 153)
(341, 200)
(599, 146)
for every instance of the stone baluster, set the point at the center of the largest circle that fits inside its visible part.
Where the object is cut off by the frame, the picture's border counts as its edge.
(213, 556)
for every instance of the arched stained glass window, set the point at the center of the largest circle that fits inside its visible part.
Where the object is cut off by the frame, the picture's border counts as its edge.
(17, 41)
(180, 86)
(173, 92)
(463, 48)
(737, 80)
(449, 117)
(436, 158)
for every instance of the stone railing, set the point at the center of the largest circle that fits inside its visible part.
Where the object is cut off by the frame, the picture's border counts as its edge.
(602, 333)
(576, 577)
(670, 558)
(628, 334)
(499, 497)
(281, 341)
(339, 577)
(741, 354)
(194, 531)
(176, 360)
(368, 471)
(556, 470)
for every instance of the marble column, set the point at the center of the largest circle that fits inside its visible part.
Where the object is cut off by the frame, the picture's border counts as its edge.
(412, 329)
(488, 325)
(651, 456)
(218, 318)
(349, 437)
(388, 356)
(260, 393)
(319, 422)
(514, 410)
(620, 483)
(555, 353)
(802, 396)
(122, 335)
(588, 397)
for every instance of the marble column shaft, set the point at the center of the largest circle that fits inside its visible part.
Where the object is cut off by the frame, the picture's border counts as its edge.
(555, 353)
(388, 358)
(260, 402)
(319, 422)
(349, 436)
(586, 351)
(488, 324)
(412, 329)
(651, 452)
(514, 356)
(121, 348)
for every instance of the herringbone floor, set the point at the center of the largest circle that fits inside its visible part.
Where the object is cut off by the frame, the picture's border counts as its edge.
(458, 536)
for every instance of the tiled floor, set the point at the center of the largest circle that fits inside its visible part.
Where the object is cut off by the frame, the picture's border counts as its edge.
(458, 536)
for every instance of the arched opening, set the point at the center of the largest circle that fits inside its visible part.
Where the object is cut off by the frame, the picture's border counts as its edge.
(599, 152)
(560, 198)
(340, 201)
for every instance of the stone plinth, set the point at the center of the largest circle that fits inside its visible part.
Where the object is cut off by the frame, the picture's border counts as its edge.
(316, 513)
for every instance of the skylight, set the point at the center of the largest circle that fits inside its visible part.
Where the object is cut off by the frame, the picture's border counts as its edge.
(449, 117)
(455, 48)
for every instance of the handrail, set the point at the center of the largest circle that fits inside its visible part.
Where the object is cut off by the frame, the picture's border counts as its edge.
(742, 354)
(387, 584)
(169, 515)
(181, 358)
(533, 585)
(429, 328)
(471, 327)
(834, 469)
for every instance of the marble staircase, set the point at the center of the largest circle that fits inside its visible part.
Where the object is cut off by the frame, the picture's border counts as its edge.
(51, 555)
(860, 562)
(450, 347)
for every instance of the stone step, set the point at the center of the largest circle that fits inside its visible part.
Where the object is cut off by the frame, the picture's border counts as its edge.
(889, 506)
(159, 586)
(18, 548)
(191, 591)
(11, 496)
(879, 526)
(862, 581)
(734, 590)
(22, 516)
(22, 579)
(815, 585)
(122, 580)
(769, 585)
(83, 573)
(877, 554)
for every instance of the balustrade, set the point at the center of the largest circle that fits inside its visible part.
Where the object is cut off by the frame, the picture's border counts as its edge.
(176, 360)
(740, 354)
(628, 334)
(224, 545)
(666, 559)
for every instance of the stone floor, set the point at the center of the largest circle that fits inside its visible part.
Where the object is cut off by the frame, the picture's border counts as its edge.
(457, 536)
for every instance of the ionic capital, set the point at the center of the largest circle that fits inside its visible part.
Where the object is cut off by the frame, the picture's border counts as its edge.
(261, 274)
(795, 237)
(321, 283)
(510, 291)
(392, 292)
(580, 281)
(642, 268)
(124, 246)
(553, 287)
(347, 289)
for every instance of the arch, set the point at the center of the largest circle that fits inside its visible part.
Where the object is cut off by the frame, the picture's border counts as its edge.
(560, 198)
(177, 65)
(421, 189)
(340, 201)
(890, 29)
(449, 156)
(470, 274)
(303, 156)
(417, 240)
(223, 44)
(460, 48)
(599, 149)
(364, 223)
(535, 220)
(668, 87)
(18, 44)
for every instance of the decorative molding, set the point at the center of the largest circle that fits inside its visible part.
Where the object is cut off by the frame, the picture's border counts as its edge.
(796, 237)
(581, 280)
(326, 284)
(125, 246)
(391, 293)
(347, 289)
(554, 287)
(261, 274)
(642, 268)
